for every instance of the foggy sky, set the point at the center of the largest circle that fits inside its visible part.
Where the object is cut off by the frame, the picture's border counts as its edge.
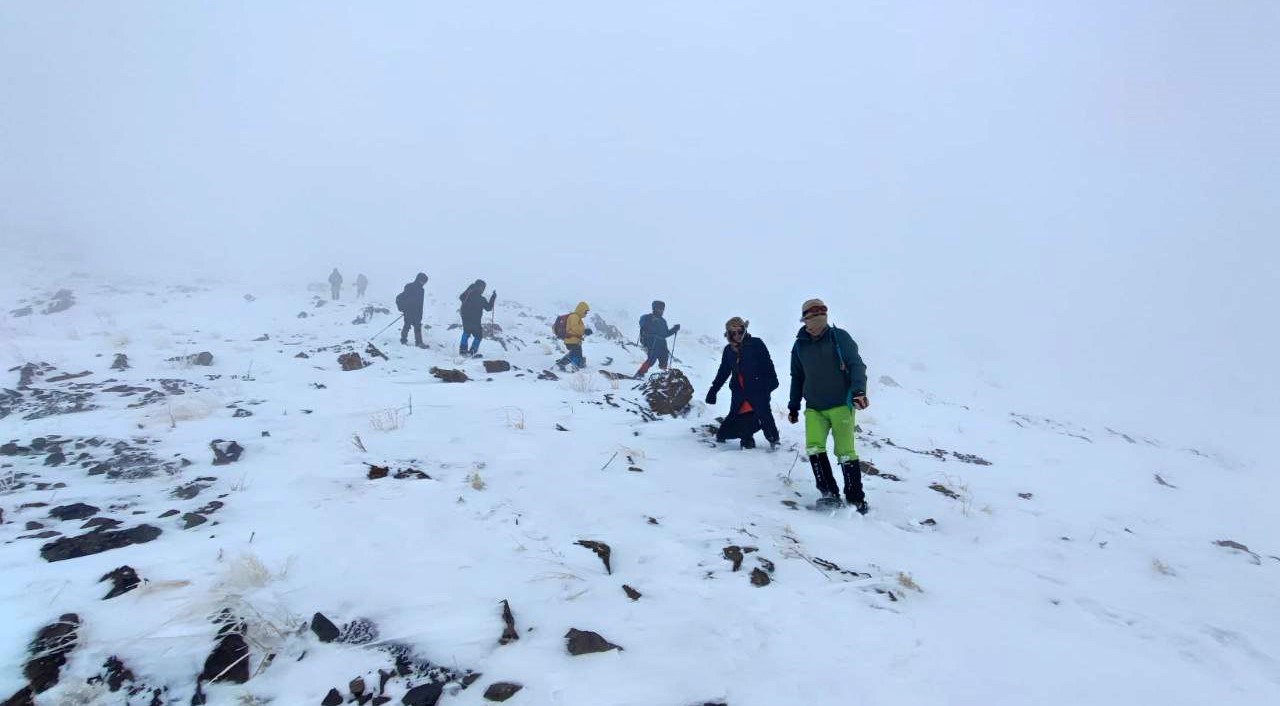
(1079, 195)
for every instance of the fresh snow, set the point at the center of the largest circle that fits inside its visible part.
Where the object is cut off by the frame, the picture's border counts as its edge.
(1062, 573)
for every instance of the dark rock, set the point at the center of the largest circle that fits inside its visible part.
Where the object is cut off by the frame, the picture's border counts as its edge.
(41, 535)
(204, 358)
(23, 697)
(410, 473)
(333, 698)
(101, 523)
(509, 633)
(69, 376)
(225, 452)
(601, 549)
(380, 700)
(57, 458)
(759, 577)
(229, 661)
(168, 513)
(49, 652)
(191, 519)
(324, 628)
(188, 491)
(302, 314)
(496, 366)
(668, 392)
(76, 511)
(501, 691)
(423, 695)
(373, 352)
(61, 301)
(360, 631)
(263, 337)
(376, 472)
(357, 686)
(448, 375)
(302, 355)
(548, 375)
(114, 674)
(97, 542)
(351, 361)
(471, 678)
(242, 413)
(123, 580)
(31, 525)
(582, 642)
(632, 593)
(734, 554)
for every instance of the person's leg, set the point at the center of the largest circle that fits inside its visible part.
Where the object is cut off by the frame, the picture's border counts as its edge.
(816, 428)
(648, 363)
(476, 336)
(417, 335)
(575, 355)
(462, 343)
(404, 332)
(842, 421)
(663, 355)
(764, 413)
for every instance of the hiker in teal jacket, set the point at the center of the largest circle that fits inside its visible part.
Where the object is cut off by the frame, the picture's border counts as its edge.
(828, 373)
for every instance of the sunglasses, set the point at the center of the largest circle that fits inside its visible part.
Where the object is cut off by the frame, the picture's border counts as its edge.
(814, 311)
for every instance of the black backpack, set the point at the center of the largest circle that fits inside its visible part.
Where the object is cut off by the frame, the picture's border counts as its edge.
(400, 301)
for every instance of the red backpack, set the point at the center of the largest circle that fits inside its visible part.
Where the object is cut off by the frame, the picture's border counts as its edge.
(561, 327)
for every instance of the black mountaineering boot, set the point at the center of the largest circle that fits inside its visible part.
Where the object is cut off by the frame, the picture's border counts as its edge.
(827, 488)
(853, 486)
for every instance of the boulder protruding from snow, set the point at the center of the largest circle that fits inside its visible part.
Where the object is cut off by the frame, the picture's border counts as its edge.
(584, 642)
(351, 361)
(123, 580)
(49, 652)
(324, 628)
(225, 452)
(203, 359)
(668, 392)
(496, 366)
(448, 375)
(423, 695)
(501, 691)
(97, 542)
(121, 362)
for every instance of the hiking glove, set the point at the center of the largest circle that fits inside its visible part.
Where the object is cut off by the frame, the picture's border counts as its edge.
(711, 397)
(860, 400)
(793, 416)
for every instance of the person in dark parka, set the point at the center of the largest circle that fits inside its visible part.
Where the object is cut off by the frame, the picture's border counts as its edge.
(473, 307)
(747, 366)
(362, 283)
(409, 302)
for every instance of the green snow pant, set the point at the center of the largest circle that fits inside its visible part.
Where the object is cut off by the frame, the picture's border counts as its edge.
(839, 422)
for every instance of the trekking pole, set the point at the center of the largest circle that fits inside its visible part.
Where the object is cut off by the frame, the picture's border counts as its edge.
(393, 323)
(674, 339)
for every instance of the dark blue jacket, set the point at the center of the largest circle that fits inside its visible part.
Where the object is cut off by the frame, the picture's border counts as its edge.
(752, 360)
(653, 331)
(474, 305)
(826, 371)
(413, 295)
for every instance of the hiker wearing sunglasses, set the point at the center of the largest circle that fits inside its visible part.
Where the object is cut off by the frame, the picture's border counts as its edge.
(746, 364)
(828, 372)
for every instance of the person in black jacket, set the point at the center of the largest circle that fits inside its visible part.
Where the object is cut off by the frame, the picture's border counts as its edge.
(473, 307)
(828, 372)
(335, 283)
(409, 302)
(746, 364)
(362, 283)
(653, 336)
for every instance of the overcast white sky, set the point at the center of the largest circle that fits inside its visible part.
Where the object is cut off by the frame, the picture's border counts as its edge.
(1080, 194)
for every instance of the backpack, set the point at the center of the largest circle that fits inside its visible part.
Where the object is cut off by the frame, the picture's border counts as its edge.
(400, 302)
(561, 327)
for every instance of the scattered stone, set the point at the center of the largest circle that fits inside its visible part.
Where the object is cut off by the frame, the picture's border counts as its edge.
(302, 315)
(49, 652)
(121, 362)
(225, 452)
(263, 337)
(114, 674)
(929, 522)
(734, 554)
(21, 311)
(229, 661)
(374, 352)
(632, 593)
(241, 413)
(376, 472)
(302, 355)
(410, 473)
(582, 642)
(668, 392)
(501, 691)
(1164, 482)
(652, 520)
(423, 695)
(76, 511)
(601, 549)
(97, 542)
(32, 525)
(204, 359)
(56, 458)
(1229, 544)
(69, 376)
(496, 366)
(188, 491)
(560, 428)
(123, 580)
(509, 633)
(448, 375)
(938, 487)
(791, 504)
(1026, 496)
(548, 375)
(192, 519)
(100, 523)
(41, 535)
(324, 628)
(168, 513)
(759, 578)
(333, 698)
(360, 631)
(62, 300)
(351, 361)
(356, 686)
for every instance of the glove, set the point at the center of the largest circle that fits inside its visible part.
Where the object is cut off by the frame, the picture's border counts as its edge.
(860, 400)
(675, 329)
(711, 397)
(586, 332)
(793, 416)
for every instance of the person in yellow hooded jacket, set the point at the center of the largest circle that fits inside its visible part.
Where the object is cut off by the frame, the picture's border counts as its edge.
(575, 329)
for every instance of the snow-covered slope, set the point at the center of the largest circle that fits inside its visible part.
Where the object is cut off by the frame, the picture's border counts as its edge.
(1009, 558)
